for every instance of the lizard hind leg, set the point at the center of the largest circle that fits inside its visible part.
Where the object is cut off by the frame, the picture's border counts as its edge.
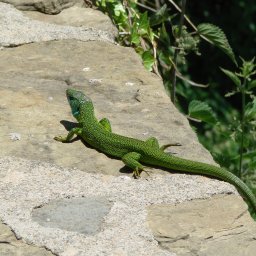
(152, 142)
(131, 160)
(106, 124)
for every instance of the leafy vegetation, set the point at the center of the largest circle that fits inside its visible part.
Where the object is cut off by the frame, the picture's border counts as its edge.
(166, 38)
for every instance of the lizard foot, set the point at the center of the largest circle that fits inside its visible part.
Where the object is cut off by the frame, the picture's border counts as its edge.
(170, 145)
(138, 171)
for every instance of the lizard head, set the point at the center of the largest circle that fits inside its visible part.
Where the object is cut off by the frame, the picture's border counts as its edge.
(76, 100)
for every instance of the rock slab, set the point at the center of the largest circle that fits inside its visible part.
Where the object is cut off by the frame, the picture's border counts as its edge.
(34, 109)
(44, 6)
(17, 29)
(219, 226)
(11, 246)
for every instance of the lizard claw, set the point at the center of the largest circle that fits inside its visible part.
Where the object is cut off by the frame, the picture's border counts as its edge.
(137, 172)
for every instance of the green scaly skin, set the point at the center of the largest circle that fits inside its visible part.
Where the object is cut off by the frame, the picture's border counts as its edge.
(132, 151)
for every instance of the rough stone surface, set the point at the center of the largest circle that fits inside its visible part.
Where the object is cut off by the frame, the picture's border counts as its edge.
(33, 80)
(11, 246)
(34, 77)
(78, 17)
(44, 6)
(17, 29)
(83, 215)
(219, 226)
(25, 185)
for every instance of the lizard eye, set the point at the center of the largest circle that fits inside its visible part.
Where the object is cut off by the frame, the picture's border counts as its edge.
(70, 98)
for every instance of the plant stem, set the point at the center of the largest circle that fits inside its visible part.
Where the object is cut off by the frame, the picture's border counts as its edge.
(189, 21)
(146, 7)
(157, 4)
(176, 52)
(242, 130)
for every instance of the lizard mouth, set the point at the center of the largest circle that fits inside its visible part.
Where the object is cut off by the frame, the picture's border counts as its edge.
(73, 94)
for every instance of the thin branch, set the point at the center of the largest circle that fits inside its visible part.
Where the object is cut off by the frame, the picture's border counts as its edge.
(179, 75)
(146, 7)
(191, 82)
(157, 4)
(176, 52)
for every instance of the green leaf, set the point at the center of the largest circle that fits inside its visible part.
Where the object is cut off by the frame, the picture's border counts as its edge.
(160, 16)
(232, 76)
(164, 59)
(119, 9)
(252, 84)
(148, 60)
(250, 154)
(151, 35)
(250, 110)
(201, 111)
(135, 38)
(248, 68)
(215, 35)
(143, 26)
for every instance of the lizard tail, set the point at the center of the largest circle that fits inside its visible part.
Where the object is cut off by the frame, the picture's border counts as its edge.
(184, 165)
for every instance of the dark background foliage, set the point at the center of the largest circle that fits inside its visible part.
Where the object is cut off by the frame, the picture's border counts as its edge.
(237, 18)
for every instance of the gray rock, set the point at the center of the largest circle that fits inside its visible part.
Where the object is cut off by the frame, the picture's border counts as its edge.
(11, 246)
(219, 226)
(83, 215)
(78, 17)
(44, 6)
(17, 29)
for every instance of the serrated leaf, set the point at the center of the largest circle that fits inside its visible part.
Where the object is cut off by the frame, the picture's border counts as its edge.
(232, 76)
(215, 35)
(160, 16)
(201, 111)
(148, 60)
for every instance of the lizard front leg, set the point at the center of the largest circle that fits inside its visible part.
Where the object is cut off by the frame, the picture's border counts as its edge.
(68, 138)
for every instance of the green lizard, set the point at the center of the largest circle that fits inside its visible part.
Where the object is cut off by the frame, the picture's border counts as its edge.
(132, 151)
